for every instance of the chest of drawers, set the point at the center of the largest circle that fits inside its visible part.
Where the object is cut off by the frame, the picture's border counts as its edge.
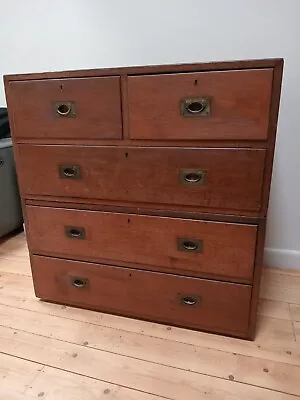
(145, 189)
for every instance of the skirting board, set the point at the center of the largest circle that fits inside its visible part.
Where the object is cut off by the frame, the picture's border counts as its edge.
(282, 258)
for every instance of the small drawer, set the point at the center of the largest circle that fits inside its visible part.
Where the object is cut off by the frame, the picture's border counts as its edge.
(218, 105)
(191, 247)
(80, 108)
(189, 302)
(229, 180)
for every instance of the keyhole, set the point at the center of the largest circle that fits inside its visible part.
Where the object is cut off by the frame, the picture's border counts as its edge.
(196, 82)
(61, 87)
(126, 155)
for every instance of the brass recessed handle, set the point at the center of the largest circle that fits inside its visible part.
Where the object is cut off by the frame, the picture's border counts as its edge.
(195, 107)
(69, 171)
(79, 282)
(193, 177)
(65, 109)
(189, 245)
(75, 232)
(189, 300)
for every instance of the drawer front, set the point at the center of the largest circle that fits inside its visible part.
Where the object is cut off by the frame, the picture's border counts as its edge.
(171, 244)
(191, 302)
(226, 179)
(205, 105)
(82, 108)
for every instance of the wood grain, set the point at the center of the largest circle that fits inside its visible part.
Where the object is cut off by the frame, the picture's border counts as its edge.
(295, 311)
(56, 384)
(141, 70)
(146, 175)
(16, 375)
(240, 102)
(274, 340)
(141, 372)
(98, 108)
(147, 240)
(218, 306)
(274, 309)
(244, 99)
(278, 286)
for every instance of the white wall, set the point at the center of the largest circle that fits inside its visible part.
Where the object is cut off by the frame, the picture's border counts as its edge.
(43, 35)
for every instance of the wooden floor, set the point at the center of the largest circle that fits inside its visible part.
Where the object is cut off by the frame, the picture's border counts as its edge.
(55, 352)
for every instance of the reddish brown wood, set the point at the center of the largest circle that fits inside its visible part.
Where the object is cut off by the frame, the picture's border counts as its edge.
(144, 206)
(147, 175)
(240, 102)
(148, 143)
(151, 69)
(125, 116)
(221, 307)
(146, 211)
(97, 104)
(145, 239)
(129, 229)
(259, 254)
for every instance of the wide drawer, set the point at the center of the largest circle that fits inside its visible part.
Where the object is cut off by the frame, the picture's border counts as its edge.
(80, 108)
(204, 105)
(191, 247)
(226, 179)
(190, 302)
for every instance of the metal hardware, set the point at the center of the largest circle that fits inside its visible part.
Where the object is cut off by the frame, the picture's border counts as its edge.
(69, 172)
(189, 300)
(195, 107)
(193, 177)
(79, 282)
(189, 245)
(65, 109)
(75, 232)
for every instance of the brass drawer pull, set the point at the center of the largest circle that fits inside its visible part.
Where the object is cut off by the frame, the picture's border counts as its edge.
(75, 232)
(65, 109)
(193, 177)
(79, 282)
(195, 107)
(69, 171)
(189, 300)
(189, 245)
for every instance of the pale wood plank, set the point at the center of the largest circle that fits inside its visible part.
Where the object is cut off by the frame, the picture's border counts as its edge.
(17, 255)
(279, 286)
(153, 378)
(202, 360)
(17, 284)
(274, 330)
(297, 331)
(15, 267)
(54, 384)
(283, 271)
(295, 312)
(7, 394)
(61, 385)
(16, 375)
(274, 309)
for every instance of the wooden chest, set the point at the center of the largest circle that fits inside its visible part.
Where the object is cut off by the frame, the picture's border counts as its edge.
(145, 189)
